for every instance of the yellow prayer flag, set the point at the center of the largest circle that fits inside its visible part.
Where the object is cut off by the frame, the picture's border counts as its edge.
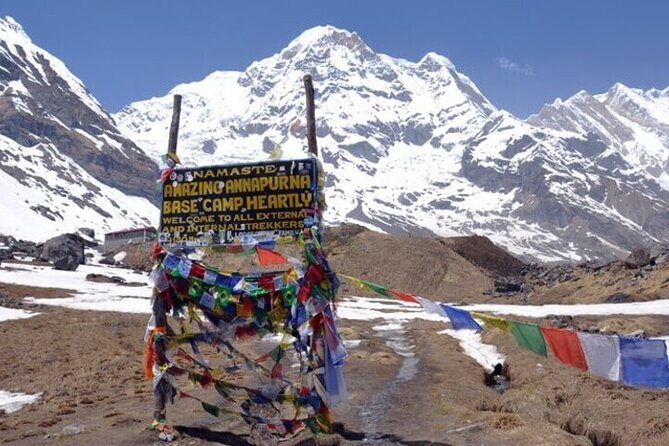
(497, 322)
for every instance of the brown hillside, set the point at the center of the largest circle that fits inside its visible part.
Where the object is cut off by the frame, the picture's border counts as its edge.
(485, 254)
(418, 265)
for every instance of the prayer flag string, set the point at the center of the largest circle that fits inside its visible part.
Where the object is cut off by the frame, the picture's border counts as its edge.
(634, 361)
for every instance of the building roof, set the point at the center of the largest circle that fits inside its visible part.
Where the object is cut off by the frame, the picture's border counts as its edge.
(130, 230)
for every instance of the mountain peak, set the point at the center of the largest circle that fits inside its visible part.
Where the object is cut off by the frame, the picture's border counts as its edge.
(619, 90)
(434, 61)
(325, 37)
(9, 27)
(580, 96)
(327, 34)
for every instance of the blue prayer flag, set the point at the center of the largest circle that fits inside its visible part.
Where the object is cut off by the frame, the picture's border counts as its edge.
(644, 362)
(460, 319)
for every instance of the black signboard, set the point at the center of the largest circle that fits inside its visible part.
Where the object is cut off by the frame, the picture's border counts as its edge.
(238, 204)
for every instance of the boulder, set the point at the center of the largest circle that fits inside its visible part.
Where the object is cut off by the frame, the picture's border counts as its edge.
(5, 254)
(66, 252)
(659, 254)
(618, 298)
(108, 260)
(508, 285)
(28, 248)
(101, 278)
(88, 237)
(88, 232)
(638, 258)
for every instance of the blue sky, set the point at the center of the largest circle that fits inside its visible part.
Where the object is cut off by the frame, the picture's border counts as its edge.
(521, 54)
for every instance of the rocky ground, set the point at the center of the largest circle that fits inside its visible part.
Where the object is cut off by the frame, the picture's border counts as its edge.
(89, 364)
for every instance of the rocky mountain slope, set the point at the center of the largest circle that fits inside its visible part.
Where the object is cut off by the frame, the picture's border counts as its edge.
(63, 163)
(415, 147)
(632, 124)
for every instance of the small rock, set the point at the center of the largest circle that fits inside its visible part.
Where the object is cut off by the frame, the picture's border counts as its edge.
(5, 254)
(101, 278)
(640, 333)
(618, 298)
(641, 274)
(631, 282)
(109, 260)
(74, 429)
(560, 321)
(662, 258)
(499, 379)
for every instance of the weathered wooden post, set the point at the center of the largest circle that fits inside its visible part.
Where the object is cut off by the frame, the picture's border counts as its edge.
(161, 390)
(174, 126)
(311, 115)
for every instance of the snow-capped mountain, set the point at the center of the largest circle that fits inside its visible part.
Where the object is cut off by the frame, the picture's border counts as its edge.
(632, 123)
(416, 147)
(63, 163)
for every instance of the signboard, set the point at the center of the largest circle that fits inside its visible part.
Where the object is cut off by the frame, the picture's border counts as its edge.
(241, 203)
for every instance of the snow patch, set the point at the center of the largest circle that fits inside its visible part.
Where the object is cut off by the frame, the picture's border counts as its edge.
(13, 402)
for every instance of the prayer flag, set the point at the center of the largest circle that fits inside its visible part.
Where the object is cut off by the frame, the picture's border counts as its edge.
(529, 336)
(269, 257)
(602, 353)
(184, 268)
(644, 362)
(497, 322)
(431, 307)
(565, 346)
(334, 379)
(214, 410)
(460, 319)
(404, 296)
(377, 288)
(210, 276)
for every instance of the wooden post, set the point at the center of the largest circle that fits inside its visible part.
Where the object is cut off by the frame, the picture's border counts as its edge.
(311, 114)
(161, 391)
(174, 126)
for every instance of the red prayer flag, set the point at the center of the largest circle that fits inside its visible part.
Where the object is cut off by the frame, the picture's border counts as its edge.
(566, 346)
(197, 270)
(269, 257)
(277, 371)
(405, 297)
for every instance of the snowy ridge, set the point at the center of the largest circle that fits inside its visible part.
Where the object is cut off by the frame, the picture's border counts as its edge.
(63, 163)
(55, 195)
(18, 46)
(543, 190)
(633, 124)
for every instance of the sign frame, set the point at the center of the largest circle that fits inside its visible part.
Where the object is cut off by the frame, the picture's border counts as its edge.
(238, 204)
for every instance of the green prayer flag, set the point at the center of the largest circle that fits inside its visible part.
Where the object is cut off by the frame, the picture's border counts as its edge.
(289, 296)
(310, 257)
(529, 336)
(214, 410)
(277, 354)
(258, 292)
(377, 288)
(260, 315)
(196, 288)
(312, 425)
(222, 390)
